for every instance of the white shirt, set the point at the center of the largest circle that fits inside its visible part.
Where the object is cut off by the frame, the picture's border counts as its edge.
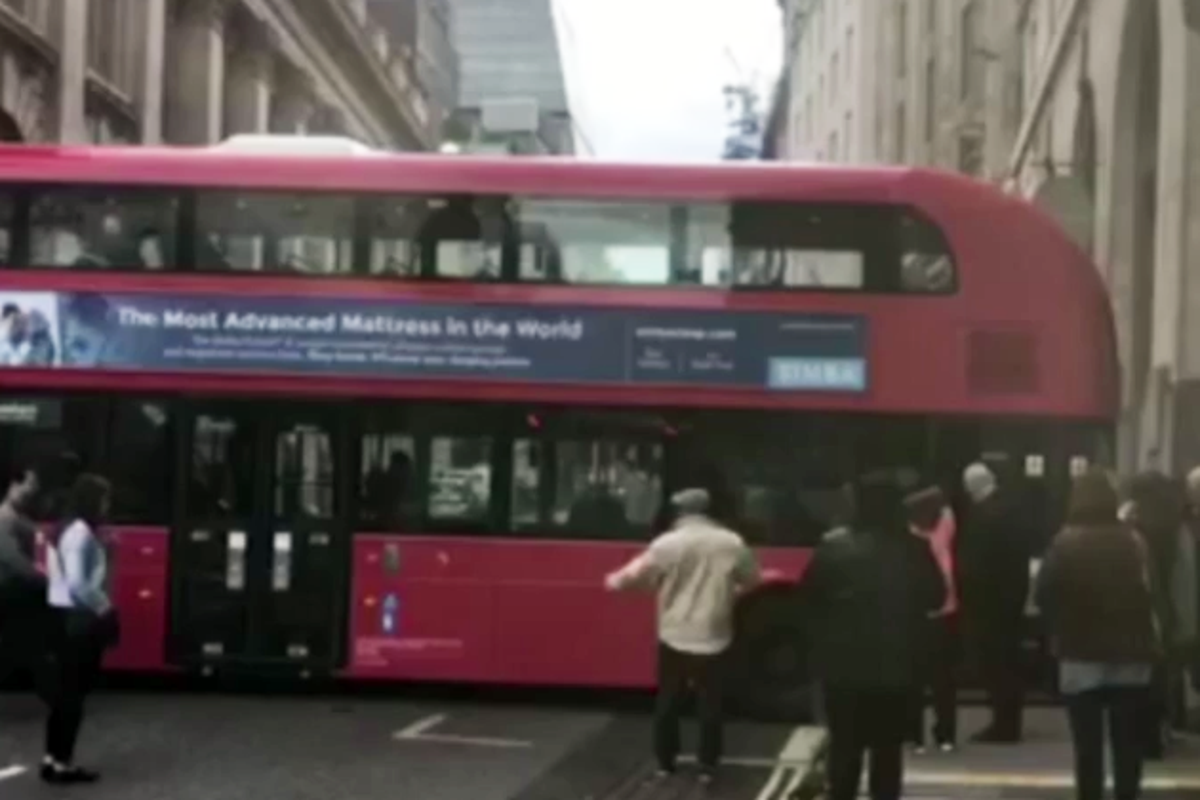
(698, 569)
(77, 570)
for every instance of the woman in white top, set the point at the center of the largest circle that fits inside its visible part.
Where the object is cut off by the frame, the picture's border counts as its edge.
(77, 567)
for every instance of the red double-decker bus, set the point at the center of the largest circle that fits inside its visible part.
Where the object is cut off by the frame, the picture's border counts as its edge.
(393, 417)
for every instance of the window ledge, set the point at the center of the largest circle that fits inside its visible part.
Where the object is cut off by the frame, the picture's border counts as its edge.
(111, 97)
(18, 29)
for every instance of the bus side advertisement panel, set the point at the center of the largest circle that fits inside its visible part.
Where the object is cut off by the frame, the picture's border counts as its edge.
(332, 337)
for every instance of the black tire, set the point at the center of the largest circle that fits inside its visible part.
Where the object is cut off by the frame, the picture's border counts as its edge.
(770, 677)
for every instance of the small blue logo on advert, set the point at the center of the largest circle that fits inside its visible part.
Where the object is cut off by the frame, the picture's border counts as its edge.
(391, 612)
(817, 374)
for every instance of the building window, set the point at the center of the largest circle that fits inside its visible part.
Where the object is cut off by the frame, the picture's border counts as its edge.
(849, 55)
(847, 136)
(111, 42)
(834, 70)
(901, 137)
(970, 154)
(969, 79)
(902, 39)
(931, 20)
(930, 99)
(880, 136)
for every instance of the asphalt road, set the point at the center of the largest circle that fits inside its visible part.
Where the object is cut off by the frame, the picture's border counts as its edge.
(212, 747)
(190, 746)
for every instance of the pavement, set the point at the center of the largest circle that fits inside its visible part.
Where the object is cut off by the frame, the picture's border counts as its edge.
(1038, 768)
(214, 747)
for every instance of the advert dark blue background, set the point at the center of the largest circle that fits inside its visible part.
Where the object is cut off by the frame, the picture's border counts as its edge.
(812, 352)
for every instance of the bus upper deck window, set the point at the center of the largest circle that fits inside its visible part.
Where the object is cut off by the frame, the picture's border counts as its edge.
(796, 246)
(837, 247)
(305, 232)
(467, 238)
(393, 229)
(601, 242)
(103, 228)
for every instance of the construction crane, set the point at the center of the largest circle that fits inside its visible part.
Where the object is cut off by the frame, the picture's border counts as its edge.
(743, 101)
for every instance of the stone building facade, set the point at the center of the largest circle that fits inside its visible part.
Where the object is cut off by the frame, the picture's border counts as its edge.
(197, 71)
(1088, 108)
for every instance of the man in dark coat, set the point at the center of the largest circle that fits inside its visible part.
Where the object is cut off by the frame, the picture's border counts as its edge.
(994, 568)
(22, 585)
(871, 586)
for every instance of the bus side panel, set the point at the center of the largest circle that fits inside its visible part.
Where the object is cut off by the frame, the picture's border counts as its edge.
(141, 594)
(507, 612)
(421, 610)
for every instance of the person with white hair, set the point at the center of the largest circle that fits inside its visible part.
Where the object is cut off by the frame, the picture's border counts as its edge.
(698, 569)
(994, 573)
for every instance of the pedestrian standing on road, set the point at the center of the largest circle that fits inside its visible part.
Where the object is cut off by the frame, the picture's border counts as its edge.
(1193, 503)
(698, 569)
(1094, 592)
(994, 570)
(1158, 515)
(870, 589)
(23, 610)
(87, 626)
(932, 520)
(1192, 526)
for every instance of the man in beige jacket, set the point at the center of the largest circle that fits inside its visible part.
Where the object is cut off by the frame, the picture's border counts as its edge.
(698, 569)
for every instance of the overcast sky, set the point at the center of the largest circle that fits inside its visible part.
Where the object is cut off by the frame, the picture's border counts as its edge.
(646, 75)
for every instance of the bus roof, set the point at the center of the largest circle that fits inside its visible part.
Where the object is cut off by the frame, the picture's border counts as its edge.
(1029, 310)
(282, 167)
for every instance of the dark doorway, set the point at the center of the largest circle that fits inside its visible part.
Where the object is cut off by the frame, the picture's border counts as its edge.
(10, 131)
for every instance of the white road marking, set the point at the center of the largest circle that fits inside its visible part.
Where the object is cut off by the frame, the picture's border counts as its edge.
(472, 741)
(802, 744)
(419, 731)
(757, 763)
(15, 771)
(790, 766)
(771, 787)
(1018, 780)
(421, 726)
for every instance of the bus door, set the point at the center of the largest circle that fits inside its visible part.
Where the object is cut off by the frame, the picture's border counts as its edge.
(260, 549)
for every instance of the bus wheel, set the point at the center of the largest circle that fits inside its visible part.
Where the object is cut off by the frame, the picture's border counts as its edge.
(770, 679)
